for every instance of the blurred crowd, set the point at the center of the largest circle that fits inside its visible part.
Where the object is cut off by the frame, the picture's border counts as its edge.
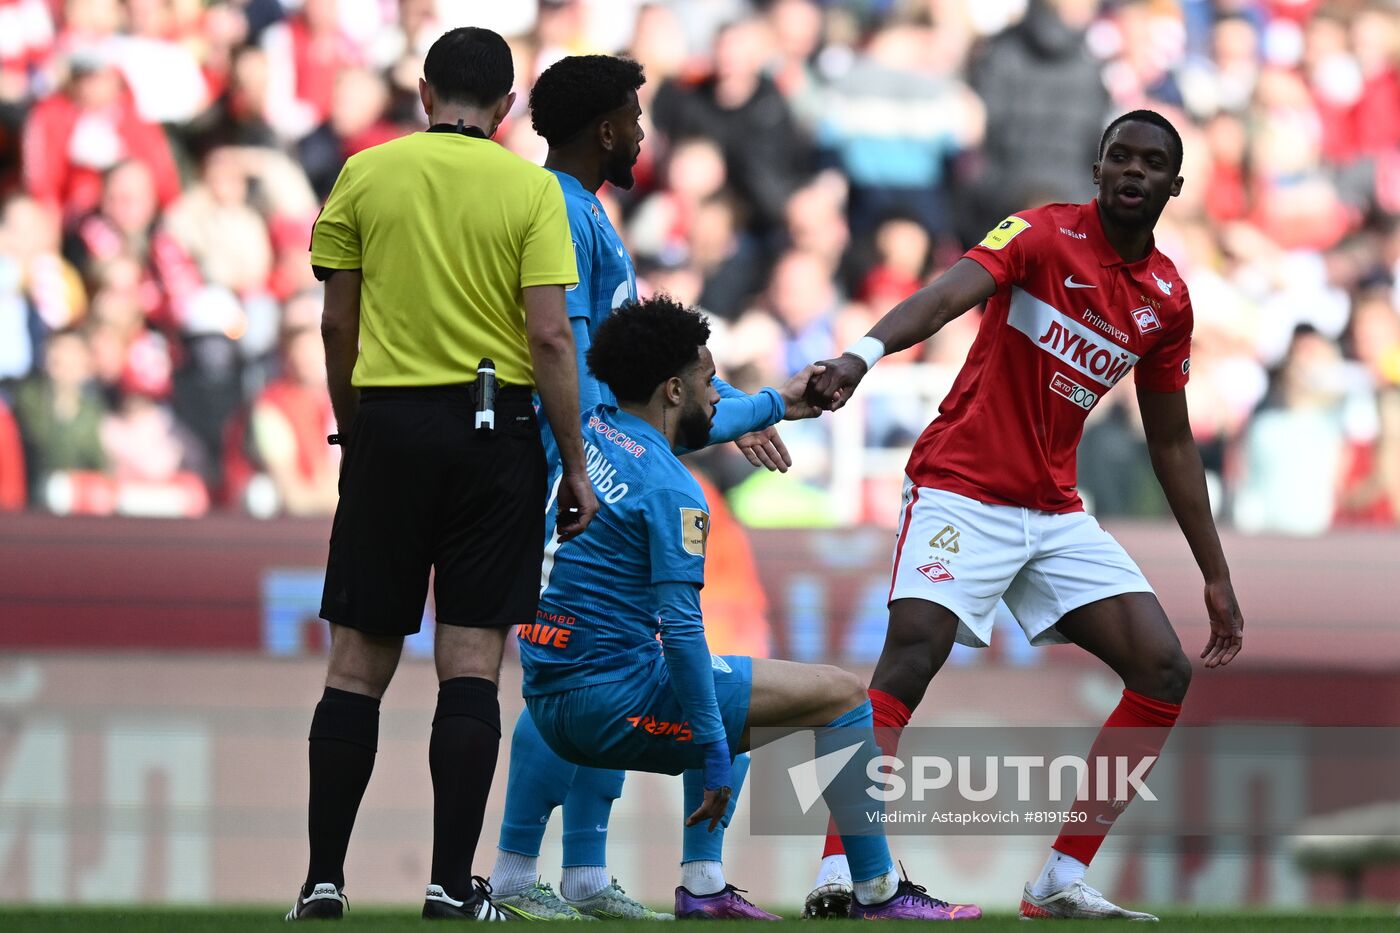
(807, 165)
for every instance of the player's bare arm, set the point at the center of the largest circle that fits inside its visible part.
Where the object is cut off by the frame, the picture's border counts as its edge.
(912, 321)
(1177, 463)
(340, 332)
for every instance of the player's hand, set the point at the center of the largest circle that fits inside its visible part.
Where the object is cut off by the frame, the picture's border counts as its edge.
(1226, 624)
(797, 394)
(765, 449)
(712, 809)
(577, 505)
(834, 386)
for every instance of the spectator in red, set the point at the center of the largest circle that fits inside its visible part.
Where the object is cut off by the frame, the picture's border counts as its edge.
(143, 441)
(1227, 184)
(1376, 117)
(902, 249)
(292, 416)
(124, 228)
(71, 139)
(11, 462)
(305, 52)
(1370, 492)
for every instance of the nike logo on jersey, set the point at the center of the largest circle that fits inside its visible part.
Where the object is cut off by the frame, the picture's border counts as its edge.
(1071, 283)
(1166, 287)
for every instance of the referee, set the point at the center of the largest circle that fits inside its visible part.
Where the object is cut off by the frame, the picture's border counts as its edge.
(440, 251)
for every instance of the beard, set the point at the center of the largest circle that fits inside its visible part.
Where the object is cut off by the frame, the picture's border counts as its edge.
(693, 429)
(619, 174)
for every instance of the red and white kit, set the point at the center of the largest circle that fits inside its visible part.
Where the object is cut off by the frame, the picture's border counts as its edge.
(995, 472)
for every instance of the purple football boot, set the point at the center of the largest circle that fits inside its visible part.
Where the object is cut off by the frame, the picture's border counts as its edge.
(912, 902)
(726, 905)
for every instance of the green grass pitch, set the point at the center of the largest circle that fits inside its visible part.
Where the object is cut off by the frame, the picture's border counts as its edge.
(381, 920)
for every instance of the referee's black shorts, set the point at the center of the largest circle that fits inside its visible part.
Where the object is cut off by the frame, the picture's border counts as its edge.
(420, 488)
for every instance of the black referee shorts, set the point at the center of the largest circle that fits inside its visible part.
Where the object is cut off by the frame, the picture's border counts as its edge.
(420, 488)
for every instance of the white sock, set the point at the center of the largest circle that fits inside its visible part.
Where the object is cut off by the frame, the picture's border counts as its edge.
(513, 872)
(580, 882)
(834, 870)
(702, 877)
(879, 888)
(1060, 872)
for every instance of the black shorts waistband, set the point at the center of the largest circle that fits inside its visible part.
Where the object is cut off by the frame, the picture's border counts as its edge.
(511, 397)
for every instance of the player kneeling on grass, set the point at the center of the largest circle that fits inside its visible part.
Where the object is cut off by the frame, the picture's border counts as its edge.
(610, 695)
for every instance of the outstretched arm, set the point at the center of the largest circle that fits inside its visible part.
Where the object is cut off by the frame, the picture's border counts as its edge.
(692, 679)
(912, 321)
(1177, 463)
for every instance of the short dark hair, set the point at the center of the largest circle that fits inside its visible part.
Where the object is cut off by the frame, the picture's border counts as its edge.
(470, 65)
(643, 344)
(1175, 150)
(575, 91)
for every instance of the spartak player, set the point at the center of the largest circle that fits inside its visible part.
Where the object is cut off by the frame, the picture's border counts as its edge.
(1077, 296)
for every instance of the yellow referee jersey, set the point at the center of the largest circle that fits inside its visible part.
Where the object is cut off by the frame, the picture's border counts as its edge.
(447, 230)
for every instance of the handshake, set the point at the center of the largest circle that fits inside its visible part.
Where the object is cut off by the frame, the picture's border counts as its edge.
(818, 387)
(823, 386)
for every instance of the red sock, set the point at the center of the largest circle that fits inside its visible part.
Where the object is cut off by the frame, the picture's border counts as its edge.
(891, 716)
(1151, 721)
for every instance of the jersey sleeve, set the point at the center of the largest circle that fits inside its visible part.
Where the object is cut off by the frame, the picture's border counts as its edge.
(735, 417)
(590, 395)
(1004, 249)
(547, 253)
(678, 524)
(335, 239)
(1167, 366)
(579, 298)
(726, 390)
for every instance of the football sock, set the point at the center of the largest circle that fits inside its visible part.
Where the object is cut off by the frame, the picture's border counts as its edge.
(580, 882)
(878, 889)
(851, 808)
(1060, 872)
(587, 809)
(891, 716)
(834, 869)
(462, 757)
(539, 781)
(702, 877)
(1135, 730)
(698, 844)
(340, 748)
(513, 872)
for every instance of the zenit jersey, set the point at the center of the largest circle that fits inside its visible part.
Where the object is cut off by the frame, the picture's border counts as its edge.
(1068, 321)
(606, 277)
(597, 620)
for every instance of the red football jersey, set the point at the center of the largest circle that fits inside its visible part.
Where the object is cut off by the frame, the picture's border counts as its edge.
(1069, 319)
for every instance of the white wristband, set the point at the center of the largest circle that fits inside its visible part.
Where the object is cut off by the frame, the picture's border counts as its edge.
(869, 349)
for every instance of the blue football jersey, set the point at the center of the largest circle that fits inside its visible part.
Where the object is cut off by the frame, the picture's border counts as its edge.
(597, 620)
(606, 277)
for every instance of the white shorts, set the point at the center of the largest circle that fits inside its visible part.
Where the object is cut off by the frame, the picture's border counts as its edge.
(967, 555)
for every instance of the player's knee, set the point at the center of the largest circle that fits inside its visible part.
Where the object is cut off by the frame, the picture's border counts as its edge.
(1171, 676)
(847, 690)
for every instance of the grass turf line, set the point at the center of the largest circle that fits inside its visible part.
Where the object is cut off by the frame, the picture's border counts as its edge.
(382, 920)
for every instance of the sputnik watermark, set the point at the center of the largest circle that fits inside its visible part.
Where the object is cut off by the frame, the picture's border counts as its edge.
(1113, 778)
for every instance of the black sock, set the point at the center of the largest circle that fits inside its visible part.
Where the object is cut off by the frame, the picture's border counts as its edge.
(462, 756)
(343, 740)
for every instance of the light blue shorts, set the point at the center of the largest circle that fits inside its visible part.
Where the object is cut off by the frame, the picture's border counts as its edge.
(637, 724)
